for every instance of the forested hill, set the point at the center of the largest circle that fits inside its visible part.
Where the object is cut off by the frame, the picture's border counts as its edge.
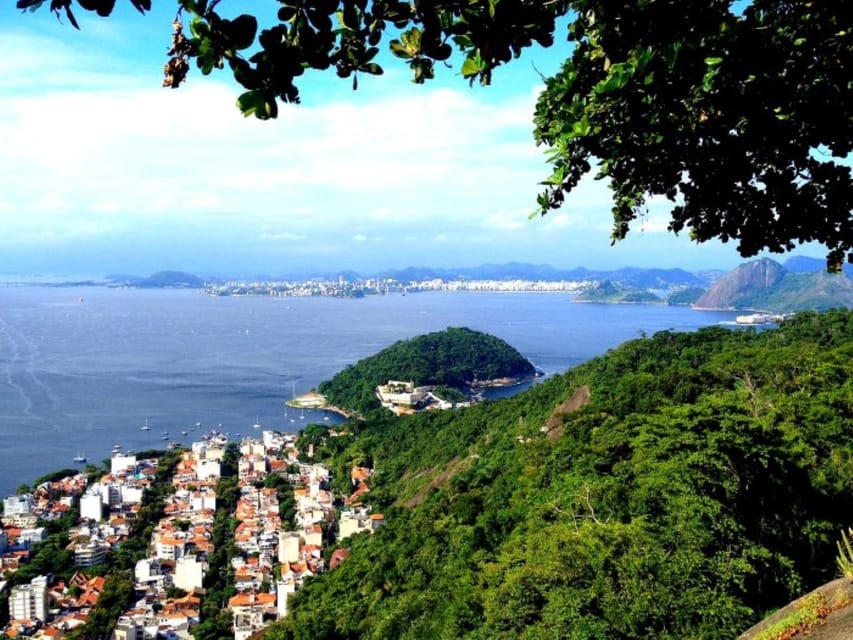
(455, 357)
(678, 487)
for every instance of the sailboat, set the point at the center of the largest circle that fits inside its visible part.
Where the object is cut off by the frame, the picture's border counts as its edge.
(79, 458)
(145, 427)
(257, 424)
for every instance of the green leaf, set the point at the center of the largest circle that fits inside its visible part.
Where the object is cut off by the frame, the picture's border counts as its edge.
(618, 76)
(473, 65)
(412, 40)
(712, 61)
(399, 50)
(286, 13)
(463, 42)
(199, 28)
(243, 29)
(580, 128)
(253, 103)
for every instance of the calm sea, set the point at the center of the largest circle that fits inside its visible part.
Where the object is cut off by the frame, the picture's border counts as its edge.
(83, 369)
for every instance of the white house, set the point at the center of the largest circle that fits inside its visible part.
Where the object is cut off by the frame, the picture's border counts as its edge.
(208, 469)
(122, 463)
(288, 546)
(189, 573)
(131, 494)
(201, 500)
(284, 588)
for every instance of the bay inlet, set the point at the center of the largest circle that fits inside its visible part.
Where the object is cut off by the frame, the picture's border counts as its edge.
(82, 370)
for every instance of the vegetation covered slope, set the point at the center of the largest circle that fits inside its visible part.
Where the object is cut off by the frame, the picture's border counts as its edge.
(767, 285)
(678, 487)
(454, 357)
(607, 291)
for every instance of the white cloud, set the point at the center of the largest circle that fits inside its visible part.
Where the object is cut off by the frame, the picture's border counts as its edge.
(505, 221)
(431, 167)
(558, 220)
(284, 236)
(391, 215)
(150, 151)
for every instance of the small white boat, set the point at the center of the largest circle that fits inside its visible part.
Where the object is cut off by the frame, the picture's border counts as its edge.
(79, 458)
(257, 424)
(145, 427)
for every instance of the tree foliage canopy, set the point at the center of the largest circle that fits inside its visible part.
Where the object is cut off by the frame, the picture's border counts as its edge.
(702, 485)
(739, 116)
(455, 357)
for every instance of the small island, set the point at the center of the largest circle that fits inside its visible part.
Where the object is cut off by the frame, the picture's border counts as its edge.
(446, 368)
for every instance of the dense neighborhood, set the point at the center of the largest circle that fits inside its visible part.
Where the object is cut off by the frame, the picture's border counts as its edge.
(274, 505)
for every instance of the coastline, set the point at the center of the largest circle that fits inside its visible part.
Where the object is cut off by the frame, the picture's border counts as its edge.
(313, 400)
(497, 383)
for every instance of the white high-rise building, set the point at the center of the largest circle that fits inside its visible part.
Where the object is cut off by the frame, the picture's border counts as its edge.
(18, 505)
(28, 602)
(91, 505)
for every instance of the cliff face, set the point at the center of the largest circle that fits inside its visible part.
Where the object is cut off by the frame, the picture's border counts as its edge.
(737, 288)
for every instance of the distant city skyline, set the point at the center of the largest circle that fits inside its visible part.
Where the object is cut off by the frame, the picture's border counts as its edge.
(104, 171)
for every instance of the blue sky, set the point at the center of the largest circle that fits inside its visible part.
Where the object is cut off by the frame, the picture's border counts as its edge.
(102, 170)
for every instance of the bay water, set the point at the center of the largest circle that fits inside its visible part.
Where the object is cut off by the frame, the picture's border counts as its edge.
(83, 369)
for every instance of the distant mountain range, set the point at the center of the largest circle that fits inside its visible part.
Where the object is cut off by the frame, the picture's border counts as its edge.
(805, 264)
(159, 280)
(766, 285)
(801, 282)
(763, 285)
(628, 277)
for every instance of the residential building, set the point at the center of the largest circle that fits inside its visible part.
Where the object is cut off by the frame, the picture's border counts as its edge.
(91, 505)
(189, 573)
(284, 588)
(122, 464)
(18, 505)
(248, 610)
(128, 629)
(206, 469)
(288, 546)
(28, 602)
(89, 554)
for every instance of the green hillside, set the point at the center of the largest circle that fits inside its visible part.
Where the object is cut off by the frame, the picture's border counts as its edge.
(679, 487)
(610, 292)
(685, 296)
(455, 357)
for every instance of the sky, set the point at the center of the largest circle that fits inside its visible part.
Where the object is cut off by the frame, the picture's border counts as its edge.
(104, 171)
